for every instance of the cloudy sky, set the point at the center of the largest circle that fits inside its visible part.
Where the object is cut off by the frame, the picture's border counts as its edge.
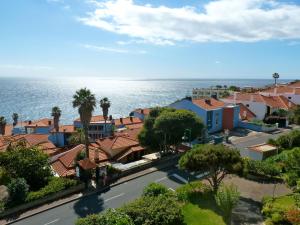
(150, 39)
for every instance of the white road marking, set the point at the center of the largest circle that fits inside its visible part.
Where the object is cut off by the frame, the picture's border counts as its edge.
(53, 221)
(171, 189)
(117, 196)
(179, 178)
(160, 179)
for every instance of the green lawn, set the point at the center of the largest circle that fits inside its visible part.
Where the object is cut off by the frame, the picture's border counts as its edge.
(284, 202)
(194, 215)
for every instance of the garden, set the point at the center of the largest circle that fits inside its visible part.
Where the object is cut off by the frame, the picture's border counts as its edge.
(25, 176)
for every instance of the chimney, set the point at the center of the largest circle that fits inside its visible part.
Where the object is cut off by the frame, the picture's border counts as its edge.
(275, 91)
(290, 104)
(131, 119)
(29, 122)
(49, 122)
(142, 111)
(121, 120)
(207, 101)
(110, 117)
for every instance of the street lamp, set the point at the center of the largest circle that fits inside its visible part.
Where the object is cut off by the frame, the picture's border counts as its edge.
(187, 136)
(275, 76)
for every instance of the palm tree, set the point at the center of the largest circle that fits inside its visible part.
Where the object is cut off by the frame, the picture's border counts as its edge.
(85, 101)
(56, 113)
(275, 76)
(15, 118)
(2, 125)
(105, 104)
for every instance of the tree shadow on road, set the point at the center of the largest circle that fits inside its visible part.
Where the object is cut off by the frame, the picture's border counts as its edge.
(89, 205)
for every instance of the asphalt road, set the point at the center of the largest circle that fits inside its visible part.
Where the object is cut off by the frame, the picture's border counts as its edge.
(112, 198)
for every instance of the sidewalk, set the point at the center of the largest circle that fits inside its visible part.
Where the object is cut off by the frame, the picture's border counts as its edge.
(84, 194)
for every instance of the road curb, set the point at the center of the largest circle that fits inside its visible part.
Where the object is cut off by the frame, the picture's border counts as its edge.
(90, 193)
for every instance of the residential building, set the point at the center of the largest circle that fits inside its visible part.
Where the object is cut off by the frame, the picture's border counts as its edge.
(291, 91)
(61, 137)
(41, 126)
(261, 151)
(216, 115)
(260, 105)
(98, 128)
(213, 92)
(140, 113)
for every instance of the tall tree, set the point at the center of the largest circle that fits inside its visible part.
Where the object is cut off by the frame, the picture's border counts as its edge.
(15, 118)
(105, 104)
(85, 101)
(56, 114)
(2, 125)
(215, 160)
(275, 76)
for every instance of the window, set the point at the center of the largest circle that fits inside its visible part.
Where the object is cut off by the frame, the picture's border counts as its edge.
(209, 119)
(217, 119)
(289, 97)
(247, 105)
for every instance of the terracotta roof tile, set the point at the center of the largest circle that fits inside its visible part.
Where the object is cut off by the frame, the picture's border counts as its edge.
(145, 111)
(209, 104)
(87, 164)
(128, 121)
(45, 122)
(245, 113)
(96, 119)
(65, 129)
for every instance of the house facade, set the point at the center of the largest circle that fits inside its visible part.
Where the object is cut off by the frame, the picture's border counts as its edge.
(215, 115)
(140, 113)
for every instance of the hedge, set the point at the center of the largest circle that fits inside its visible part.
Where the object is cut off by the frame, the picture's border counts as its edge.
(55, 184)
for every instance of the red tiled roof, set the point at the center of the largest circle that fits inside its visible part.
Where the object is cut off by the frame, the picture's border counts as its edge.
(295, 84)
(209, 104)
(245, 113)
(116, 142)
(40, 123)
(96, 119)
(135, 126)
(128, 152)
(145, 111)
(86, 164)
(128, 121)
(65, 129)
(68, 158)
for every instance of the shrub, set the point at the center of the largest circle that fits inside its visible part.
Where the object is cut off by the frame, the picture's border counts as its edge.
(155, 189)
(110, 217)
(160, 210)
(192, 191)
(263, 168)
(111, 171)
(293, 215)
(18, 189)
(55, 184)
(4, 176)
(227, 198)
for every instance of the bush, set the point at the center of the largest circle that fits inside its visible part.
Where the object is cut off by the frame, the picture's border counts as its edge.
(110, 217)
(293, 215)
(155, 189)
(111, 171)
(160, 210)
(262, 168)
(191, 191)
(55, 185)
(18, 189)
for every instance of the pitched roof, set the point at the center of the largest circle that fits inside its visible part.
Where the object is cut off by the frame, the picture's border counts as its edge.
(87, 164)
(208, 104)
(129, 151)
(135, 126)
(45, 122)
(128, 121)
(65, 129)
(263, 148)
(116, 142)
(96, 119)
(245, 113)
(273, 101)
(145, 111)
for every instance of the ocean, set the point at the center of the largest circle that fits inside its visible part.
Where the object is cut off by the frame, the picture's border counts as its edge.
(33, 98)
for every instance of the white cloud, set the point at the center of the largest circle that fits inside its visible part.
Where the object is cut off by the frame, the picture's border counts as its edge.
(220, 21)
(217, 62)
(25, 67)
(113, 50)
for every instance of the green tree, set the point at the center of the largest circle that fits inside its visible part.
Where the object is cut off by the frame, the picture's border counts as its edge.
(105, 105)
(227, 198)
(29, 163)
(215, 160)
(160, 210)
(2, 125)
(15, 118)
(155, 189)
(77, 137)
(295, 115)
(110, 217)
(56, 114)
(165, 127)
(18, 190)
(85, 101)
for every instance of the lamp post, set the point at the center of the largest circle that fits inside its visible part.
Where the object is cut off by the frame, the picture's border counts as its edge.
(187, 136)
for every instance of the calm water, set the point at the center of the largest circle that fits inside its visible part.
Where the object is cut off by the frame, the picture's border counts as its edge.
(32, 98)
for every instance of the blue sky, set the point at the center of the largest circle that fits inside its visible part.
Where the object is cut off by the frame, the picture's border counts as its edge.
(150, 39)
